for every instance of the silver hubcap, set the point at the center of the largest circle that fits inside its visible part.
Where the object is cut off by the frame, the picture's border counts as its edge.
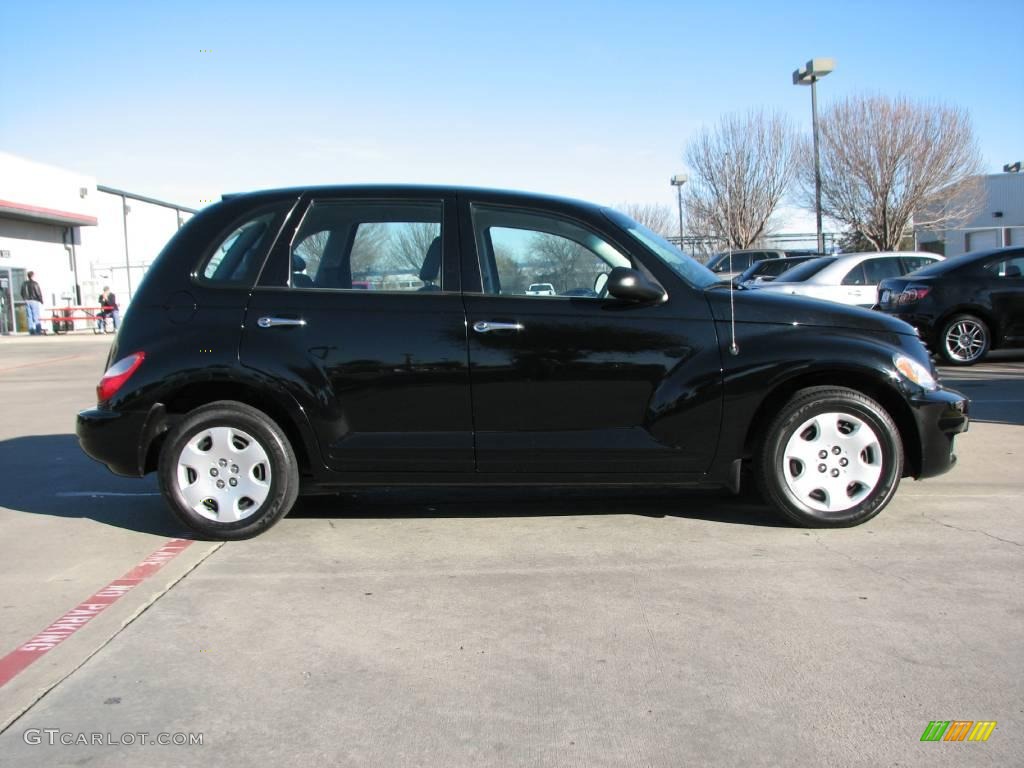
(224, 474)
(832, 462)
(965, 340)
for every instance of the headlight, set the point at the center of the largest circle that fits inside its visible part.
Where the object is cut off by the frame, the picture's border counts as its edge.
(913, 371)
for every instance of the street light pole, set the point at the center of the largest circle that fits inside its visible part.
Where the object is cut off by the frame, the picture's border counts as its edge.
(814, 70)
(677, 181)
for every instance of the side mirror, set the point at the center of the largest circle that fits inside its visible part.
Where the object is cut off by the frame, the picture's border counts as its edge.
(633, 285)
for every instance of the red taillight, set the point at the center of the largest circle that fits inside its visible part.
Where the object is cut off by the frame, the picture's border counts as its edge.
(117, 375)
(910, 294)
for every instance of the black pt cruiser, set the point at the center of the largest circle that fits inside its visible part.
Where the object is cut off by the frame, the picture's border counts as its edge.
(312, 340)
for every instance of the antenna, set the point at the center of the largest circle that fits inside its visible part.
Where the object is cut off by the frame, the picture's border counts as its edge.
(733, 347)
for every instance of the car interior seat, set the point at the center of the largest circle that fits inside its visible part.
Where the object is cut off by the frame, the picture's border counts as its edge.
(299, 278)
(431, 266)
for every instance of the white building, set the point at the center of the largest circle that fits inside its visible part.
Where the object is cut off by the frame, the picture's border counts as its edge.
(75, 235)
(999, 223)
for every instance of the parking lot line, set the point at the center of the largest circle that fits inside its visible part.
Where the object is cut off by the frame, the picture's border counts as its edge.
(35, 363)
(60, 630)
(101, 494)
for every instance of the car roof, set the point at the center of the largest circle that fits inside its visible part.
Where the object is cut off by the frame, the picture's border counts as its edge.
(510, 196)
(965, 259)
(846, 261)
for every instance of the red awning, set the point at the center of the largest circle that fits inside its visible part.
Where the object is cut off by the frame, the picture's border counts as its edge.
(46, 215)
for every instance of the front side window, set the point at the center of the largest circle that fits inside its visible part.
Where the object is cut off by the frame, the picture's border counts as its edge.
(856, 276)
(375, 246)
(912, 263)
(876, 270)
(238, 258)
(530, 254)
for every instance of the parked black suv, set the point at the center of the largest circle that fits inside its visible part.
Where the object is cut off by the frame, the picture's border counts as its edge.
(304, 341)
(964, 306)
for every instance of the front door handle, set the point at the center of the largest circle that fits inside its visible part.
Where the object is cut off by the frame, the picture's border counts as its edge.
(273, 322)
(486, 326)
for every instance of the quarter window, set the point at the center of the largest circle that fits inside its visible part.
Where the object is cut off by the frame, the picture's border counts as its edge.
(527, 254)
(386, 246)
(238, 258)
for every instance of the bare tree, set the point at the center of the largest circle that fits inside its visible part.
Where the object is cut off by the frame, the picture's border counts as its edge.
(740, 171)
(888, 164)
(514, 279)
(563, 262)
(368, 249)
(311, 250)
(655, 216)
(410, 243)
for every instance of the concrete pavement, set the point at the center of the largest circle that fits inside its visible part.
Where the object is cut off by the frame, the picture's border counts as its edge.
(476, 628)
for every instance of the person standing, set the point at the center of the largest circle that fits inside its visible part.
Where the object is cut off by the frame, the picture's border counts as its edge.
(33, 296)
(108, 308)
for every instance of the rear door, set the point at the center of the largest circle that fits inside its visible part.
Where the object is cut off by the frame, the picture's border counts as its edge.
(359, 310)
(1006, 285)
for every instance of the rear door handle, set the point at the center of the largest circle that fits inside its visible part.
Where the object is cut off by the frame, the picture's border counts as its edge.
(274, 322)
(486, 326)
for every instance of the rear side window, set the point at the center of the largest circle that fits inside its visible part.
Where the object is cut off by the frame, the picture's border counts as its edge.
(1007, 268)
(237, 260)
(371, 246)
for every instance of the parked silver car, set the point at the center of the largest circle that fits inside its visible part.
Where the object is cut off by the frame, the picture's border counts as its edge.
(851, 278)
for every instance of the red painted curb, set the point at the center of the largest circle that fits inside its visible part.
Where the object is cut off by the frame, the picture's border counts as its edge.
(72, 621)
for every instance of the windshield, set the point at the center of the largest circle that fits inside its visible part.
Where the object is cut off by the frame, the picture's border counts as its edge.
(805, 271)
(719, 262)
(692, 271)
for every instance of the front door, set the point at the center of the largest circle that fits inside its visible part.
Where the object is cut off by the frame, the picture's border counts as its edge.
(362, 305)
(566, 379)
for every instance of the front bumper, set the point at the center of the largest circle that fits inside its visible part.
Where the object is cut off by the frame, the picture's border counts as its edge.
(120, 440)
(940, 416)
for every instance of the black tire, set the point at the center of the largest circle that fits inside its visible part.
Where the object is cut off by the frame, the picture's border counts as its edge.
(279, 463)
(964, 340)
(800, 497)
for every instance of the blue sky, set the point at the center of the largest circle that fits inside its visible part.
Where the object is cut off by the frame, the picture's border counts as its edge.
(588, 99)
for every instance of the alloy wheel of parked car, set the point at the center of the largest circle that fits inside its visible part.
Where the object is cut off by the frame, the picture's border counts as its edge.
(965, 340)
(831, 458)
(228, 471)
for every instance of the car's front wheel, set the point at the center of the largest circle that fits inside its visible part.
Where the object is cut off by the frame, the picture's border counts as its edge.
(964, 340)
(228, 471)
(831, 458)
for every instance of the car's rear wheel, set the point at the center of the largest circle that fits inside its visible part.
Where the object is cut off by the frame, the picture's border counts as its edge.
(228, 471)
(831, 458)
(964, 340)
